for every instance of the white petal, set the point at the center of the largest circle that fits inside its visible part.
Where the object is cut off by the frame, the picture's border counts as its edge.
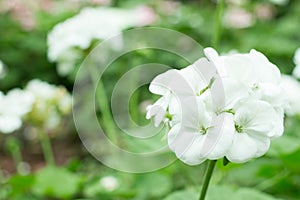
(279, 123)
(226, 93)
(297, 57)
(243, 148)
(158, 110)
(262, 144)
(292, 89)
(9, 124)
(186, 144)
(214, 57)
(273, 94)
(256, 117)
(218, 139)
(17, 102)
(296, 71)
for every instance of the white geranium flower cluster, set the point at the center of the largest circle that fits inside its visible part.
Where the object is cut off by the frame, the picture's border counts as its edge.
(39, 102)
(13, 106)
(50, 105)
(79, 32)
(220, 106)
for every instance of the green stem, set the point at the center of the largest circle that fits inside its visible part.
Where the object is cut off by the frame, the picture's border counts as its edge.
(208, 175)
(218, 24)
(134, 104)
(1, 175)
(47, 148)
(103, 104)
(13, 146)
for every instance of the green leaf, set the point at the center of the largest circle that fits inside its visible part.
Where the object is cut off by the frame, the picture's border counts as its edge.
(221, 192)
(183, 195)
(20, 184)
(250, 194)
(154, 184)
(56, 182)
(284, 145)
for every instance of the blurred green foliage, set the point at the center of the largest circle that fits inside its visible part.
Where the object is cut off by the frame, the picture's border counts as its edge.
(278, 173)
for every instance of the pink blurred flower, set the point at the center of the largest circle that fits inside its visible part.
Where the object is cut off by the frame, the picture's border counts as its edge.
(265, 11)
(238, 18)
(100, 2)
(146, 15)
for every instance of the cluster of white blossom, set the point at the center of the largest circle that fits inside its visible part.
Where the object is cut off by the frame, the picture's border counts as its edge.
(220, 106)
(50, 105)
(67, 39)
(13, 106)
(40, 103)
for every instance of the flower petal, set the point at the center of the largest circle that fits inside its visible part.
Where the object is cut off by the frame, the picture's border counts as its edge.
(243, 148)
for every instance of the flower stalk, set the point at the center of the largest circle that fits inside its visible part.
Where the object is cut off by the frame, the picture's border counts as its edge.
(47, 148)
(218, 24)
(13, 146)
(208, 175)
(103, 103)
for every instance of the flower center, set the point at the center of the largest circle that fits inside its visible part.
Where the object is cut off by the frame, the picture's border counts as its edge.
(203, 130)
(168, 116)
(239, 128)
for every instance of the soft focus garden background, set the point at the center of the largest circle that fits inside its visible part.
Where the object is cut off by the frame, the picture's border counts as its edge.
(44, 67)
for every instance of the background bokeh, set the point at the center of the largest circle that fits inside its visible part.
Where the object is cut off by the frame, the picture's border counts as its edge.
(29, 171)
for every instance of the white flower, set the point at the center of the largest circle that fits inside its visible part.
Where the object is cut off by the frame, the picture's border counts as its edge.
(224, 106)
(13, 107)
(296, 71)
(110, 183)
(90, 24)
(41, 90)
(254, 125)
(207, 137)
(9, 123)
(292, 89)
(253, 70)
(50, 105)
(279, 2)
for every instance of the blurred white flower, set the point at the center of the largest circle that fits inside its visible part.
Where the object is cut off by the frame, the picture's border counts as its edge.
(91, 24)
(238, 18)
(279, 2)
(296, 71)
(110, 183)
(292, 89)
(41, 89)
(13, 106)
(50, 105)
(224, 106)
